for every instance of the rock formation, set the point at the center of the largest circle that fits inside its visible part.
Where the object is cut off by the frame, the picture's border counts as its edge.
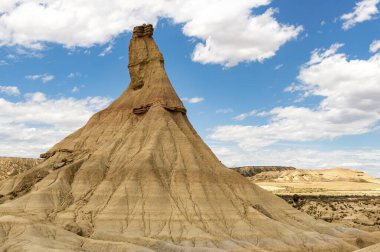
(11, 166)
(137, 177)
(320, 175)
(250, 171)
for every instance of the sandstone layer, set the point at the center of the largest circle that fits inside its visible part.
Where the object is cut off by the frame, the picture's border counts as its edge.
(250, 171)
(137, 177)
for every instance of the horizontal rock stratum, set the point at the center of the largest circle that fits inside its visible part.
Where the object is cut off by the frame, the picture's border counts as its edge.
(137, 177)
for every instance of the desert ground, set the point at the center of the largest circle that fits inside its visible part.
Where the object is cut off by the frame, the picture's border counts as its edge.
(338, 195)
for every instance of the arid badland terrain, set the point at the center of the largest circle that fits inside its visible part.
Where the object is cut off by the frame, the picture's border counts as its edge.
(335, 195)
(137, 177)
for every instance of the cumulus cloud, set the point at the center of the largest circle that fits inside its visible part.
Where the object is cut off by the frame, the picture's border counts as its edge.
(44, 77)
(35, 123)
(227, 32)
(362, 159)
(7, 5)
(375, 46)
(193, 100)
(238, 37)
(10, 90)
(364, 10)
(350, 104)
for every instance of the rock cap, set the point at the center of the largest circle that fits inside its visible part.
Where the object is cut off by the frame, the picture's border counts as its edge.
(143, 30)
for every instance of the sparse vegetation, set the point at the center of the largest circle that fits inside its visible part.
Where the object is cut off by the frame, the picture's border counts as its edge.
(356, 211)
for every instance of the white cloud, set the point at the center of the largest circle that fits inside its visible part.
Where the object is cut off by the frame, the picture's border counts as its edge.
(106, 50)
(278, 66)
(33, 77)
(11, 56)
(74, 75)
(10, 90)
(320, 54)
(238, 37)
(22, 52)
(3, 63)
(44, 77)
(75, 89)
(228, 32)
(47, 78)
(363, 159)
(243, 116)
(7, 5)
(196, 100)
(350, 104)
(375, 46)
(224, 111)
(364, 10)
(193, 100)
(34, 124)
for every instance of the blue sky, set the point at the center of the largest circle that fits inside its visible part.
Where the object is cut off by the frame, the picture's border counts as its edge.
(265, 82)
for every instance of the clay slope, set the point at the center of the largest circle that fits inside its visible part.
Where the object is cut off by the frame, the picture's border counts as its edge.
(11, 166)
(322, 175)
(373, 248)
(137, 177)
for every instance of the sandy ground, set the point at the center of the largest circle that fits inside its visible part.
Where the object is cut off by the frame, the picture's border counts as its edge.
(354, 204)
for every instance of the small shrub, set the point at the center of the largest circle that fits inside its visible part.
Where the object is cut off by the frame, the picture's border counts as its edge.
(360, 242)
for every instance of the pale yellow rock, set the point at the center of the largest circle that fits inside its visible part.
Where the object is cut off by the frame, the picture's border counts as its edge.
(318, 175)
(137, 177)
(336, 181)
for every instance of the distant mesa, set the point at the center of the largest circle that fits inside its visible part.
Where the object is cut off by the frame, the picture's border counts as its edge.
(316, 175)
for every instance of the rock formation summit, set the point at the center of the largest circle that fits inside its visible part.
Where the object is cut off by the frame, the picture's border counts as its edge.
(137, 177)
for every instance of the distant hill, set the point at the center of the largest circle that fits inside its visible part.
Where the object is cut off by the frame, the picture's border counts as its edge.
(11, 166)
(250, 171)
(321, 175)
